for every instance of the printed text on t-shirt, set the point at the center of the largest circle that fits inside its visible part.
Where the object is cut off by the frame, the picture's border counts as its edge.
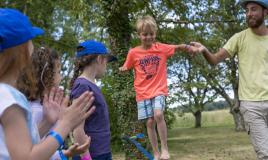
(149, 64)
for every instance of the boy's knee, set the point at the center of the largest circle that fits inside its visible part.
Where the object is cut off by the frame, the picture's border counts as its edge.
(159, 116)
(150, 122)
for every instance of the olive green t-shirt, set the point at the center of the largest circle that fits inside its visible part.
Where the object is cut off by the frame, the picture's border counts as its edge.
(252, 51)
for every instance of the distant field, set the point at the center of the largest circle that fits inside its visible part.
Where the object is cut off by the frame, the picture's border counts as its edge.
(209, 119)
(216, 140)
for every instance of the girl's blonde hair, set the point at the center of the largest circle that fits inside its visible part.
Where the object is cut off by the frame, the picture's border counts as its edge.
(13, 60)
(146, 22)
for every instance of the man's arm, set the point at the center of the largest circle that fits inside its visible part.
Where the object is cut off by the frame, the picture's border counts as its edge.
(212, 59)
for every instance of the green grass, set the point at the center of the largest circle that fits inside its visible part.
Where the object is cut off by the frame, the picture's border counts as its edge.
(211, 143)
(216, 140)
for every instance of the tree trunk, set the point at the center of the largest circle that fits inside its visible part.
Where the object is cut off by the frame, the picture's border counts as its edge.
(239, 121)
(237, 116)
(119, 30)
(198, 118)
(234, 110)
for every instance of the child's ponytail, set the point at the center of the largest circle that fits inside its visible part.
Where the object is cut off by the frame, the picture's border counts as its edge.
(79, 65)
(77, 70)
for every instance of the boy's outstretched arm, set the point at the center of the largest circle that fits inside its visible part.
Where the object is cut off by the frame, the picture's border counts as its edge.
(123, 69)
(212, 59)
(195, 48)
(128, 64)
(182, 47)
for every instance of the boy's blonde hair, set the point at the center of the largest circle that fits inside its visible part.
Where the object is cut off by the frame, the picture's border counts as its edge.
(144, 22)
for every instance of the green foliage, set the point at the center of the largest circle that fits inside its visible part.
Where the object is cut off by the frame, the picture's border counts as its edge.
(216, 106)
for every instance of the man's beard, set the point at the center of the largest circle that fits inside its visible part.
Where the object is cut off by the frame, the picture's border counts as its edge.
(256, 22)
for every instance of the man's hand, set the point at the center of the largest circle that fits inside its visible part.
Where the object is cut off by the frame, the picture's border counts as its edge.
(195, 48)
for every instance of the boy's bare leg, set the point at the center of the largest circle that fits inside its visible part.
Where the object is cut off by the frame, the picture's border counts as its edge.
(153, 137)
(162, 131)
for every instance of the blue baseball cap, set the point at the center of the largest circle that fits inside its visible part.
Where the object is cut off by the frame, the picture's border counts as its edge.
(91, 47)
(15, 28)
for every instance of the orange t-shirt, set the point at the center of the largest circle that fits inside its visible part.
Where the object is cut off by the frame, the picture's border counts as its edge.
(150, 69)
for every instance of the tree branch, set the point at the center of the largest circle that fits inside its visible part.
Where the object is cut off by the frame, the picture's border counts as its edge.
(197, 21)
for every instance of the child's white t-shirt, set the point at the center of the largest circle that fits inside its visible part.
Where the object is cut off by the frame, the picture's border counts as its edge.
(8, 97)
(37, 113)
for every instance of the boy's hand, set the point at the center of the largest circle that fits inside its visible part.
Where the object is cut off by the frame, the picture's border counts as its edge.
(196, 48)
(75, 149)
(122, 69)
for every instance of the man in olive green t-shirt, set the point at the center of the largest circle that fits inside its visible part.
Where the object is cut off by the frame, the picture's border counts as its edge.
(251, 47)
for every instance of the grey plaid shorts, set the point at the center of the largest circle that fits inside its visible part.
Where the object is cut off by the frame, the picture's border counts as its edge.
(146, 107)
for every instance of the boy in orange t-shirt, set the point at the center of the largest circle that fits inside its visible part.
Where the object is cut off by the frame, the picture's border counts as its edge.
(149, 63)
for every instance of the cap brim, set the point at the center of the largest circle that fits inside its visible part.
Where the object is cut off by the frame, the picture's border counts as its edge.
(111, 58)
(244, 4)
(37, 31)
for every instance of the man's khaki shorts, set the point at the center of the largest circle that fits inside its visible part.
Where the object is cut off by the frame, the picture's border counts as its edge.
(255, 115)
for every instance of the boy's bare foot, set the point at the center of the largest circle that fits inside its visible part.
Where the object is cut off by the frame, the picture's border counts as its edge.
(164, 155)
(156, 156)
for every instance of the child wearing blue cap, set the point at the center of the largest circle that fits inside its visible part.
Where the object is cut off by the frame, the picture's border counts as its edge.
(90, 64)
(45, 73)
(18, 134)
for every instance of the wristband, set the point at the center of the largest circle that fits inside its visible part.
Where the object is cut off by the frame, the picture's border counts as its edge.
(62, 156)
(60, 141)
(57, 137)
(86, 157)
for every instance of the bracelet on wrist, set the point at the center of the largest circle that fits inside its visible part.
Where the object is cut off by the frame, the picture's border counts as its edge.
(86, 157)
(59, 139)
